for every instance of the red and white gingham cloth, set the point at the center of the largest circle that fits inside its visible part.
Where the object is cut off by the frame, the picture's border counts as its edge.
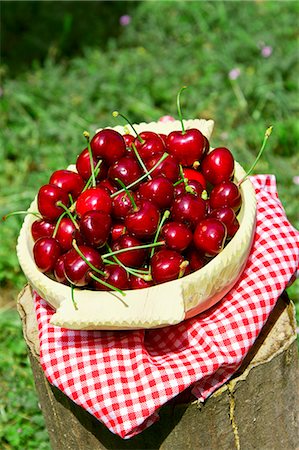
(123, 378)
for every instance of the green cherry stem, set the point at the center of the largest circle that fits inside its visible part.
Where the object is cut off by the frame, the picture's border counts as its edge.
(16, 213)
(96, 172)
(131, 198)
(142, 177)
(116, 114)
(67, 211)
(164, 217)
(87, 136)
(178, 102)
(73, 297)
(58, 223)
(140, 160)
(266, 137)
(138, 273)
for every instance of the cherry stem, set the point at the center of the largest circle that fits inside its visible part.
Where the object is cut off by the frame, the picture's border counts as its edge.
(178, 102)
(16, 213)
(116, 114)
(108, 285)
(182, 180)
(136, 247)
(266, 137)
(73, 297)
(164, 217)
(58, 223)
(74, 244)
(96, 172)
(137, 273)
(183, 267)
(140, 160)
(185, 180)
(130, 196)
(86, 135)
(62, 205)
(164, 156)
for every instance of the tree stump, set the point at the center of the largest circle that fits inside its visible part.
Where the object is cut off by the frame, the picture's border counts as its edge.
(256, 409)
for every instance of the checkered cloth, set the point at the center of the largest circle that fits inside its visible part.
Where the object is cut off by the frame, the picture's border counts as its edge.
(123, 378)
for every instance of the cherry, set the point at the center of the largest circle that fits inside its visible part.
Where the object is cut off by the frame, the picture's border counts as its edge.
(117, 230)
(69, 181)
(169, 167)
(129, 140)
(47, 198)
(196, 258)
(115, 275)
(177, 236)
(65, 233)
(167, 265)
(95, 198)
(130, 258)
(209, 236)
(42, 228)
(228, 217)
(193, 187)
(218, 165)
(109, 145)
(46, 250)
(107, 185)
(59, 270)
(188, 208)
(148, 144)
(143, 220)
(159, 191)
(139, 283)
(125, 169)
(226, 193)
(84, 169)
(164, 139)
(76, 269)
(95, 227)
(192, 174)
(122, 204)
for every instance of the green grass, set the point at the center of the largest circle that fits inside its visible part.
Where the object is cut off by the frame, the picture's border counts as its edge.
(46, 108)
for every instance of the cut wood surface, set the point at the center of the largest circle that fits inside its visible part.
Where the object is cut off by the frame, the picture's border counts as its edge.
(256, 409)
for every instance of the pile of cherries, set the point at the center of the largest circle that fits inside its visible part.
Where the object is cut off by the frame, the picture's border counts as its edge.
(140, 210)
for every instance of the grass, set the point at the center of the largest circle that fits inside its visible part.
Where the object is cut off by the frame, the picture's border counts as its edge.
(46, 108)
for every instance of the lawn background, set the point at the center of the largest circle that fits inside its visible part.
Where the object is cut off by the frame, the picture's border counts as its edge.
(65, 66)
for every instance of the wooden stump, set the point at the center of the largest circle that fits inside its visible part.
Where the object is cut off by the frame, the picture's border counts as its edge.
(256, 409)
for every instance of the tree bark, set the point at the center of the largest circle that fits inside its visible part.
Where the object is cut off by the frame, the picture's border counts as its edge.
(256, 409)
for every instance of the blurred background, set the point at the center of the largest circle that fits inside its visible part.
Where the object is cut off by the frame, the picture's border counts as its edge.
(65, 66)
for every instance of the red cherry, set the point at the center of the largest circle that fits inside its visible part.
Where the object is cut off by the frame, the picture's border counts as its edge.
(139, 283)
(192, 174)
(122, 204)
(194, 187)
(144, 221)
(151, 144)
(130, 258)
(159, 191)
(177, 236)
(69, 181)
(108, 186)
(125, 169)
(169, 167)
(65, 233)
(218, 165)
(129, 139)
(46, 250)
(166, 265)
(95, 227)
(59, 270)
(84, 169)
(209, 236)
(95, 198)
(42, 228)
(117, 230)
(108, 145)
(47, 198)
(226, 193)
(186, 146)
(115, 275)
(228, 217)
(164, 139)
(196, 259)
(189, 209)
(77, 271)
